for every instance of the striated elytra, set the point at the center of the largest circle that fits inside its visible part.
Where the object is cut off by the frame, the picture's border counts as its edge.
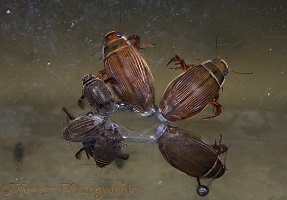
(193, 90)
(83, 128)
(128, 73)
(105, 148)
(189, 153)
(98, 95)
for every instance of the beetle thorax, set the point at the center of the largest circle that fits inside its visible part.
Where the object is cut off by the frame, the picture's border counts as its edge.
(217, 68)
(113, 43)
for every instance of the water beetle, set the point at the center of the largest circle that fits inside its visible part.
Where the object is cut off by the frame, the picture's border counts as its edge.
(128, 73)
(189, 153)
(98, 95)
(105, 148)
(83, 128)
(193, 90)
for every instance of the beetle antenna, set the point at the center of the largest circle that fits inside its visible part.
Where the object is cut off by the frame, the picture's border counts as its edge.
(216, 46)
(97, 51)
(239, 72)
(120, 20)
(219, 58)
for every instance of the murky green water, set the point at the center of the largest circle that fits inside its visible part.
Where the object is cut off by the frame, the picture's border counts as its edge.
(46, 47)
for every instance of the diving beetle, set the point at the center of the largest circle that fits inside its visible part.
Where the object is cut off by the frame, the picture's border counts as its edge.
(193, 90)
(128, 73)
(98, 95)
(84, 128)
(105, 148)
(190, 153)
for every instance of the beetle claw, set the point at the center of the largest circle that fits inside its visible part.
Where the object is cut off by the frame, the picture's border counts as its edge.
(181, 62)
(220, 148)
(216, 110)
(138, 44)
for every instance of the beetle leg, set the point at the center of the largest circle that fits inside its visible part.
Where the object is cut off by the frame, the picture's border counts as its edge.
(217, 112)
(198, 181)
(70, 116)
(79, 153)
(146, 44)
(101, 74)
(81, 102)
(110, 80)
(220, 148)
(138, 44)
(137, 41)
(181, 62)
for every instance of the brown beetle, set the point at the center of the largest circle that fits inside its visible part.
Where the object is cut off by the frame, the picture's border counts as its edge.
(98, 95)
(105, 148)
(189, 153)
(192, 91)
(83, 128)
(128, 73)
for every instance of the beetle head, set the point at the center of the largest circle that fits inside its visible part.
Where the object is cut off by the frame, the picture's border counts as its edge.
(222, 65)
(221, 171)
(87, 77)
(111, 36)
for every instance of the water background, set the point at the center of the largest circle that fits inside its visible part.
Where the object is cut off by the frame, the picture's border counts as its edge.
(46, 47)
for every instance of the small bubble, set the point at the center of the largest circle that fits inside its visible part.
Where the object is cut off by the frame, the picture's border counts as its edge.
(49, 63)
(268, 94)
(8, 11)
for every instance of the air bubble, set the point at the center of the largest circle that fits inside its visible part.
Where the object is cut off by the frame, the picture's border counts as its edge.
(8, 11)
